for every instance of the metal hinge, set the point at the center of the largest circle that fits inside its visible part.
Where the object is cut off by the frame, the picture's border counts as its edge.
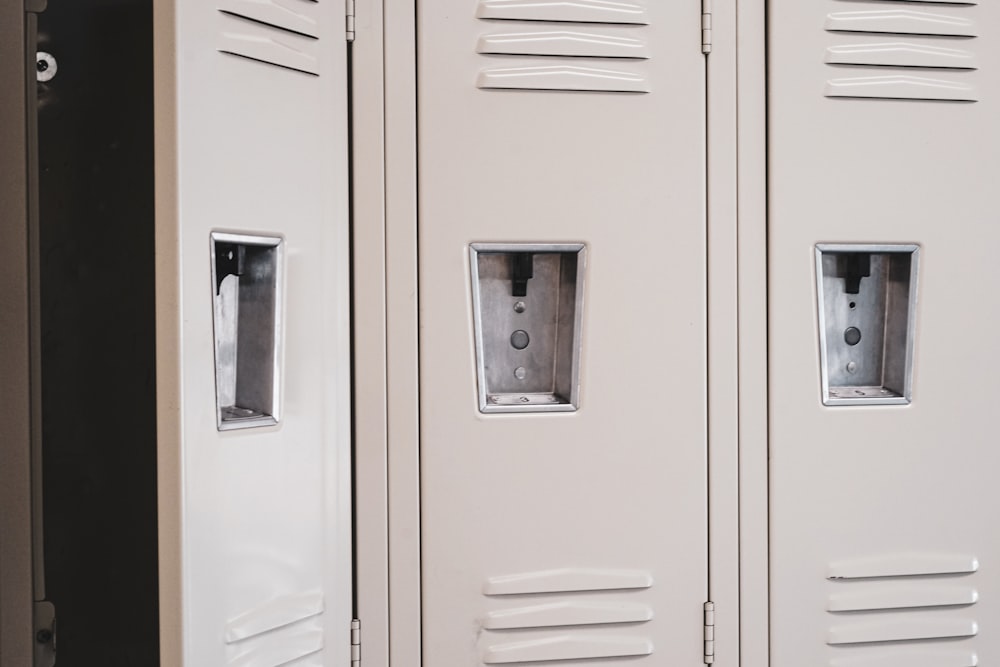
(706, 26)
(350, 20)
(355, 643)
(45, 634)
(709, 633)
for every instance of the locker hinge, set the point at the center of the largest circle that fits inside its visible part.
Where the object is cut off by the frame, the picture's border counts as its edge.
(355, 643)
(349, 8)
(709, 633)
(706, 26)
(45, 634)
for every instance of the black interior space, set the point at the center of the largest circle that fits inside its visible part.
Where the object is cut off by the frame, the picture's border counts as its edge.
(95, 133)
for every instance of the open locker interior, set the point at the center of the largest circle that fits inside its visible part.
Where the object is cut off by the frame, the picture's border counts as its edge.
(97, 551)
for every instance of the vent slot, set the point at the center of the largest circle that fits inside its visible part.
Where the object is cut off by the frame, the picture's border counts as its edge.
(902, 629)
(567, 613)
(576, 615)
(567, 580)
(907, 596)
(621, 39)
(563, 43)
(921, 50)
(900, 22)
(911, 658)
(566, 646)
(270, 34)
(903, 565)
(286, 628)
(937, 2)
(901, 54)
(563, 77)
(276, 613)
(886, 602)
(569, 11)
(277, 13)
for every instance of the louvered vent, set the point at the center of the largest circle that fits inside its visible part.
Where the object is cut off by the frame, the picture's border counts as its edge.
(278, 631)
(565, 614)
(906, 610)
(282, 33)
(580, 45)
(917, 49)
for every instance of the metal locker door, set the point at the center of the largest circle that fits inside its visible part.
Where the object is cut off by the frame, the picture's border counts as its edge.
(252, 337)
(562, 332)
(883, 147)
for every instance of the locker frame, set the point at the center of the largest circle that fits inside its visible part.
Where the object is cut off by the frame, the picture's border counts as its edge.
(751, 179)
(16, 597)
(387, 424)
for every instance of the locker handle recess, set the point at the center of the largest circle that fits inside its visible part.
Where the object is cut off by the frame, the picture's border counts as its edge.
(527, 307)
(867, 298)
(246, 296)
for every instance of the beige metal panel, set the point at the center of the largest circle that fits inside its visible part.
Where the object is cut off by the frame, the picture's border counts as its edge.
(169, 461)
(255, 530)
(723, 359)
(371, 500)
(399, 24)
(752, 262)
(15, 427)
(617, 488)
(862, 495)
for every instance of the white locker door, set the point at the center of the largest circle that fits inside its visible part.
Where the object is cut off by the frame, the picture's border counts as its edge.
(254, 522)
(883, 130)
(580, 534)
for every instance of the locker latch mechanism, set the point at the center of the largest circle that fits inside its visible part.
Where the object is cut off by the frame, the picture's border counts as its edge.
(857, 265)
(522, 270)
(528, 343)
(867, 305)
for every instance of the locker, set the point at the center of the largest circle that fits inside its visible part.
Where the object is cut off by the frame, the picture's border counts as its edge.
(632, 343)
(881, 133)
(253, 376)
(190, 449)
(553, 509)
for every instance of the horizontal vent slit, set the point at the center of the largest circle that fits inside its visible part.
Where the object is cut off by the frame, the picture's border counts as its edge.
(564, 11)
(901, 54)
(567, 580)
(901, 630)
(900, 22)
(578, 646)
(567, 613)
(563, 43)
(267, 24)
(269, 62)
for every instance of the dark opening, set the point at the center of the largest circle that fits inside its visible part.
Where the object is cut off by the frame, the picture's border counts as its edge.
(96, 249)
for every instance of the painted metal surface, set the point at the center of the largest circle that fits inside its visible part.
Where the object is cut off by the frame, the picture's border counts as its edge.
(604, 506)
(576, 11)
(878, 552)
(255, 523)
